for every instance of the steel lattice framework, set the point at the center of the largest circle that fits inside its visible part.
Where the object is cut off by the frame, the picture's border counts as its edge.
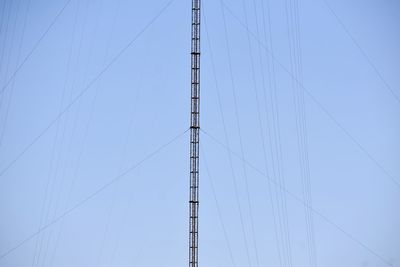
(194, 136)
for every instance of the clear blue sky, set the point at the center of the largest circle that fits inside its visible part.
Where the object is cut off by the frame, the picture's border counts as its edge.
(60, 149)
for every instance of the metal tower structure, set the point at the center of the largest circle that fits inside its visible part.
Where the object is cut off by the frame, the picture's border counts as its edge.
(194, 136)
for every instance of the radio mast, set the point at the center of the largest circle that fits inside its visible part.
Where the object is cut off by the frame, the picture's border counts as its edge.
(194, 136)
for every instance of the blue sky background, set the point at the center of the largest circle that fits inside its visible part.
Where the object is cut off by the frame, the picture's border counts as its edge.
(141, 102)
